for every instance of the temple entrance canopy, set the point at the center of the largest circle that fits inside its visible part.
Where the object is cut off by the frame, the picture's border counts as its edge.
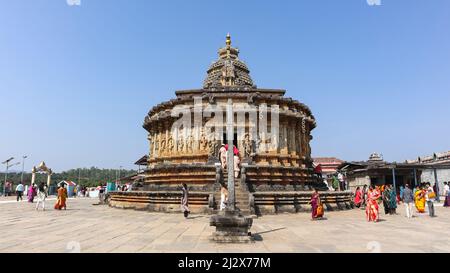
(272, 135)
(41, 168)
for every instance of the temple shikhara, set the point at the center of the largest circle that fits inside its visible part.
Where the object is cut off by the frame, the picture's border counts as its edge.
(272, 135)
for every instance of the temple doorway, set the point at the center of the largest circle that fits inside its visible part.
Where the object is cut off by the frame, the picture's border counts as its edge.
(225, 139)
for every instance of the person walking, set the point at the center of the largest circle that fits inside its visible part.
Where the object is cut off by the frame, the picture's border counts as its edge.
(223, 156)
(237, 163)
(386, 195)
(364, 197)
(32, 191)
(185, 201)
(340, 177)
(392, 201)
(447, 194)
(372, 208)
(430, 195)
(316, 206)
(19, 191)
(419, 198)
(318, 171)
(62, 197)
(335, 183)
(401, 193)
(41, 196)
(223, 197)
(408, 200)
(358, 197)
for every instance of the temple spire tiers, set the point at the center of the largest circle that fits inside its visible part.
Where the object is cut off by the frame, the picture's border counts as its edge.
(231, 225)
(228, 70)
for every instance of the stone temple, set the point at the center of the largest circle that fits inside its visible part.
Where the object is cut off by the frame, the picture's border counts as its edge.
(276, 173)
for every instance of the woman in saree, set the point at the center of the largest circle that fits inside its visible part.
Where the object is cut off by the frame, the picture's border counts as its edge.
(392, 201)
(386, 194)
(358, 197)
(419, 198)
(372, 207)
(316, 204)
(31, 193)
(62, 196)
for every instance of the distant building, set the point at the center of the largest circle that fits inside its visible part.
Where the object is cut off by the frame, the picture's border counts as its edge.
(70, 186)
(329, 164)
(439, 168)
(376, 171)
(142, 163)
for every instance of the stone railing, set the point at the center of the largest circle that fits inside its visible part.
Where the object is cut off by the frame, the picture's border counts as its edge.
(163, 201)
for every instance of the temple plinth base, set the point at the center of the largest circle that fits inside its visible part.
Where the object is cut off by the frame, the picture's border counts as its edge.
(231, 227)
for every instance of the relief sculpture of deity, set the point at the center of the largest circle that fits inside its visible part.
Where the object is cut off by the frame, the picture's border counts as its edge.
(170, 145)
(247, 145)
(190, 144)
(203, 141)
(213, 146)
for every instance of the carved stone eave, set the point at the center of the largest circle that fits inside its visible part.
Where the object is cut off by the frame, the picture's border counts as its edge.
(253, 96)
(165, 116)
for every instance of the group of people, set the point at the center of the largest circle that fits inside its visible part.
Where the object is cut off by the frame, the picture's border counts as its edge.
(370, 199)
(81, 191)
(33, 191)
(124, 187)
(338, 181)
(223, 155)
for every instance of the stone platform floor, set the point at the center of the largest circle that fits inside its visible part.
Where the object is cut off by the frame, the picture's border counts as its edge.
(85, 227)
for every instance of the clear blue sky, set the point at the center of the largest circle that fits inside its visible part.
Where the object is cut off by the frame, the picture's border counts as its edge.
(77, 81)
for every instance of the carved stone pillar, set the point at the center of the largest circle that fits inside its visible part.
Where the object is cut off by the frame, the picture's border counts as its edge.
(150, 144)
(293, 141)
(33, 175)
(284, 138)
(167, 132)
(49, 178)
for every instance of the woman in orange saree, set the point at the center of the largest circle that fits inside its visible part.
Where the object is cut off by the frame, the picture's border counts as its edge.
(372, 205)
(62, 196)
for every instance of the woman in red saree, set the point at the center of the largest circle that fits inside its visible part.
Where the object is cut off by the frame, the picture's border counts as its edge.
(372, 208)
(358, 197)
(62, 196)
(316, 204)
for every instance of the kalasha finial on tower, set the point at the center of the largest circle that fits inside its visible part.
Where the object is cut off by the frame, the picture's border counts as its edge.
(228, 70)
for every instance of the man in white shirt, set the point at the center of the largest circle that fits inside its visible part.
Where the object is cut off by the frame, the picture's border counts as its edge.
(19, 191)
(341, 181)
(430, 199)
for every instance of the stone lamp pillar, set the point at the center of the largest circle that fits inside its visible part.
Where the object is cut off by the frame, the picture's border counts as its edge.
(33, 175)
(231, 225)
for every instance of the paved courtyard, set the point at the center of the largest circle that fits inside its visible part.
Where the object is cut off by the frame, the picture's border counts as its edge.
(85, 227)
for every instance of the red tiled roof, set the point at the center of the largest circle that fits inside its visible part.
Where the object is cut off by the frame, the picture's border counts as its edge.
(69, 183)
(321, 160)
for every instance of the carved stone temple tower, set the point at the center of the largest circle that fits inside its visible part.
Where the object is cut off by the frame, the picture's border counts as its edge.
(272, 134)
